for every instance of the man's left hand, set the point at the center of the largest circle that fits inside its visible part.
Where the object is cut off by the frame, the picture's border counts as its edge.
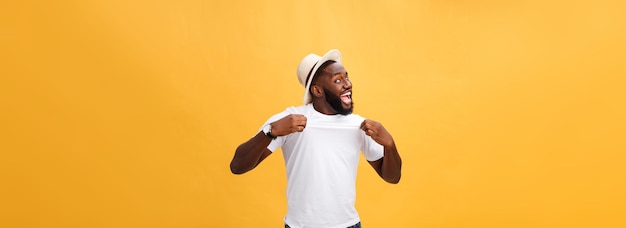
(377, 132)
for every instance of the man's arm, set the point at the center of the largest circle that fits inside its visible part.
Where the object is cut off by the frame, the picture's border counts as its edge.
(252, 152)
(249, 154)
(389, 167)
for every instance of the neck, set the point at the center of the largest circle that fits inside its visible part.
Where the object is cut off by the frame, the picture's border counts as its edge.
(324, 108)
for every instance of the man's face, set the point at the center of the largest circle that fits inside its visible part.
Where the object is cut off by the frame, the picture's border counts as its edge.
(338, 88)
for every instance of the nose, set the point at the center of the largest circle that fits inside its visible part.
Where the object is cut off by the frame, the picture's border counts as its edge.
(347, 84)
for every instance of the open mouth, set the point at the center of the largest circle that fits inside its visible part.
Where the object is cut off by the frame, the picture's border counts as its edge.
(346, 98)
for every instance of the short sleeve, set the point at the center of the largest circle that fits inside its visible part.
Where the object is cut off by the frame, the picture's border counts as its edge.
(279, 141)
(372, 151)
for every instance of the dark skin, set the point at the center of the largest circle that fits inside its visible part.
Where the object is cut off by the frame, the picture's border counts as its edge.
(334, 79)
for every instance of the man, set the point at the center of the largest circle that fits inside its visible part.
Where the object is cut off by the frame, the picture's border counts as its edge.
(321, 141)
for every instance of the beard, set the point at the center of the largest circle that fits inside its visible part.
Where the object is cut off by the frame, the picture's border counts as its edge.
(335, 103)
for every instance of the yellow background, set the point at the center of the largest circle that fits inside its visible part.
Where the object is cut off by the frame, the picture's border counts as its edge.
(127, 113)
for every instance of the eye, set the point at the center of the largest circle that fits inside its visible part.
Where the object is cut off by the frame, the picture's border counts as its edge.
(337, 80)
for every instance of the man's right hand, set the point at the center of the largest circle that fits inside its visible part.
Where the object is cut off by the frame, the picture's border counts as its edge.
(289, 124)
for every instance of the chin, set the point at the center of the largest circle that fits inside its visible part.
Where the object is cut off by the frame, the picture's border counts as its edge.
(347, 110)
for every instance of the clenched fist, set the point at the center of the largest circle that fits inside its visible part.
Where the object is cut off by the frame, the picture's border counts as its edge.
(289, 124)
(377, 132)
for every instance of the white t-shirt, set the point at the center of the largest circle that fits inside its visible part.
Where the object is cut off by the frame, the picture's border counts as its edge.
(321, 165)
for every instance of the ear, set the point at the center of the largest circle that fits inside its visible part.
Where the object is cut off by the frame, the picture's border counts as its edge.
(317, 91)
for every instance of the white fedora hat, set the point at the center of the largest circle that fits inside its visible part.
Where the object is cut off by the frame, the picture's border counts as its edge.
(309, 65)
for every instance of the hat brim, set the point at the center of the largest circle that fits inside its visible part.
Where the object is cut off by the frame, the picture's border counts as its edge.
(334, 55)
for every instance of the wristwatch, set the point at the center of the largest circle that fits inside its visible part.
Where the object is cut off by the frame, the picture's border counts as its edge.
(267, 130)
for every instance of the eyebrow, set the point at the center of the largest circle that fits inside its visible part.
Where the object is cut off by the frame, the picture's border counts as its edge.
(335, 74)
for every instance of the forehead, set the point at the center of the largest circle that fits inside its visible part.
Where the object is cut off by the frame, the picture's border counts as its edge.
(334, 69)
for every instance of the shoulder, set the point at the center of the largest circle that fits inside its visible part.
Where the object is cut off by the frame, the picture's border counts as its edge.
(290, 110)
(298, 109)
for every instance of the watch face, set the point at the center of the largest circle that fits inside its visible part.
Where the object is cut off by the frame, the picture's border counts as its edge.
(267, 131)
(267, 128)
